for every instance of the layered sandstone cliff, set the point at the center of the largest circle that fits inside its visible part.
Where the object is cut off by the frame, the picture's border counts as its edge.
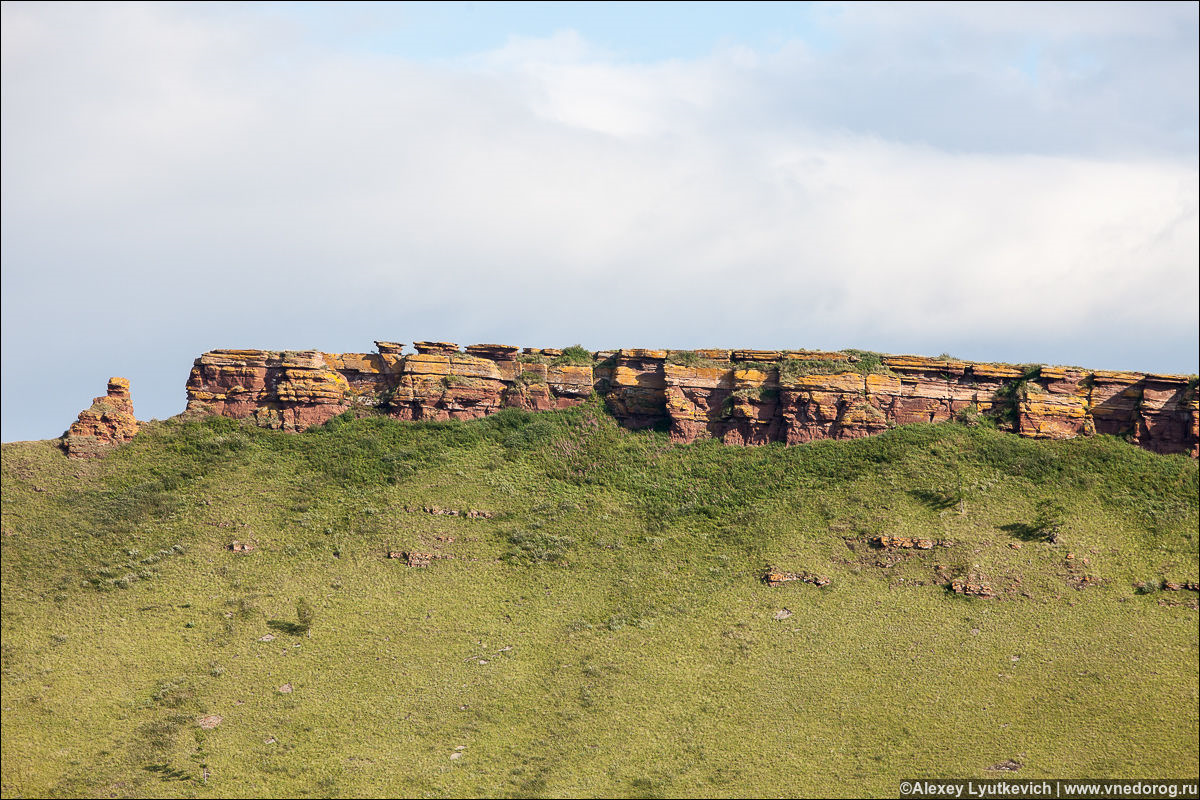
(738, 396)
(107, 423)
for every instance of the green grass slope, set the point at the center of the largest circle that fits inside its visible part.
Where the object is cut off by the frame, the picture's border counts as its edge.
(606, 631)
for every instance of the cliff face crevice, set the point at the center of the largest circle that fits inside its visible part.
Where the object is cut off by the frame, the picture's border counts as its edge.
(737, 396)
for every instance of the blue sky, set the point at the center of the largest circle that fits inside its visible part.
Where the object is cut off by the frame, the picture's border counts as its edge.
(629, 31)
(1014, 182)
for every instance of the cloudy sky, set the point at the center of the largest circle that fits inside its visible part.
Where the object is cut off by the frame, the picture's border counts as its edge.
(1016, 182)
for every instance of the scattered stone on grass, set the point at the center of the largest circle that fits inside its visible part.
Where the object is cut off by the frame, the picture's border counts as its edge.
(972, 587)
(1006, 766)
(241, 547)
(418, 559)
(1179, 586)
(1080, 582)
(1193, 604)
(285, 689)
(209, 721)
(774, 577)
(907, 543)
(270, 637)
(469, 513)
(782, 613)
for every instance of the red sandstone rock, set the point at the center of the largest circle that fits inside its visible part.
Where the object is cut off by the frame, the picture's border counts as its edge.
(972, 587)
(495, 352)
(425, 348)
(390, 348)
(446, 384)
(755, 355)
(108, 423)
(293, 390)
(288, 389)
(419, 559)
(636, 388)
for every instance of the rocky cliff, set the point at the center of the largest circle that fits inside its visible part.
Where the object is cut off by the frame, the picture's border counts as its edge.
(738, 396)
(107, 423)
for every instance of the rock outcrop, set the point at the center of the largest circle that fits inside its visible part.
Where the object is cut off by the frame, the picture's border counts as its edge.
(738, 396)
(108, 423)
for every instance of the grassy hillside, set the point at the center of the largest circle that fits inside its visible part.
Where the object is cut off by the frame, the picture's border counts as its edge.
(606, 631)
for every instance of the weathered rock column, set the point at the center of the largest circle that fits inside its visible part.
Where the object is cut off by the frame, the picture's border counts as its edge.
(108, 423)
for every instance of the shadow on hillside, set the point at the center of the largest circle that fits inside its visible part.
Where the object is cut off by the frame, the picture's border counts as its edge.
(283, 626)
(1026, 532)
(934, 499)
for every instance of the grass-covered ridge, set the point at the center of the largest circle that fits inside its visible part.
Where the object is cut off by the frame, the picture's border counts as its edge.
(605, 632)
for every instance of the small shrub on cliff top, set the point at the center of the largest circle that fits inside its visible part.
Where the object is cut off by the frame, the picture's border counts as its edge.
(867, 362)
(796, 369)
(684, 358)
(575, 356)
(863, 362)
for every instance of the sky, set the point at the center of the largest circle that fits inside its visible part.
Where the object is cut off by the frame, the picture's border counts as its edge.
(1015, 182)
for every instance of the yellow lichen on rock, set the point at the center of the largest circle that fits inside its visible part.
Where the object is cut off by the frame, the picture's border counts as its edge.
(627, 377)
(746, 377)
(643, 353)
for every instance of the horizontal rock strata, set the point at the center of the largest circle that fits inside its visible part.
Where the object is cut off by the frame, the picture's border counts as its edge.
(738, 396)
(107, 423)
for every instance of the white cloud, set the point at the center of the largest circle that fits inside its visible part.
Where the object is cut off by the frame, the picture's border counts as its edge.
(1066, 20)
(174, 183)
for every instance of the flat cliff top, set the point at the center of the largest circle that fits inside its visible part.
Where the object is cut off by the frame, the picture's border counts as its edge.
(819, 360)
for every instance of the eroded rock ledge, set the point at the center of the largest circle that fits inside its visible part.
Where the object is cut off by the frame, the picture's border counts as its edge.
(109, 422)
(738, 396)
